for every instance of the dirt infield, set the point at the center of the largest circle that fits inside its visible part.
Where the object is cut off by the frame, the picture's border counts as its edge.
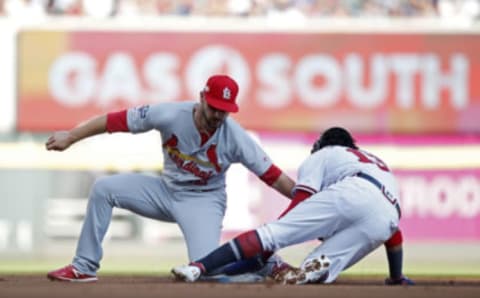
(139, 287)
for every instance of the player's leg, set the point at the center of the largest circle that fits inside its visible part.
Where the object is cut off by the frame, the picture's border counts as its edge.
(243, 247)
(316, 217)
(348, 246)
(200, 216)
(139, 193)
(266, 264)
(371, 221)
(347, 214)
(260, 264)
(295, 227)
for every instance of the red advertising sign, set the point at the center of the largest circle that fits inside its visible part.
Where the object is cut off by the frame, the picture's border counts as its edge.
(399, 83)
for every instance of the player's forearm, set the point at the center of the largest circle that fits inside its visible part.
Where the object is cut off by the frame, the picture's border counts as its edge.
(275, 178)
(394, 249)
(89, 128)
(284, 185)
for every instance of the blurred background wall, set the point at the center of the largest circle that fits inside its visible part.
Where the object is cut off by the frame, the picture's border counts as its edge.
(402, 75)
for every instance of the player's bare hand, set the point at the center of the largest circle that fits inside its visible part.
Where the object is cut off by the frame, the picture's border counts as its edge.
(59, 141)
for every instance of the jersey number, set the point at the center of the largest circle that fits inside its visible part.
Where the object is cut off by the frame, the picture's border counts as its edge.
(369, 158)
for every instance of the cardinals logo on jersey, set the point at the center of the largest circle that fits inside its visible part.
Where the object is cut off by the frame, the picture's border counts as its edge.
(172, 142)
(190, 163)
(212, 157)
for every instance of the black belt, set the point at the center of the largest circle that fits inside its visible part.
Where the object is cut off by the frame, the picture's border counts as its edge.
(383, 190)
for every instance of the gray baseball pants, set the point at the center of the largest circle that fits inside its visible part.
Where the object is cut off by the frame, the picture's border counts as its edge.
(198, 214)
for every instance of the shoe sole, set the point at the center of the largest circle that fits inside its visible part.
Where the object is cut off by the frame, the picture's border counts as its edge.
(83, 280)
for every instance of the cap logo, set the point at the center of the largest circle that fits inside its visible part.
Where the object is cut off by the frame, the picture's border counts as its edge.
(227, 94)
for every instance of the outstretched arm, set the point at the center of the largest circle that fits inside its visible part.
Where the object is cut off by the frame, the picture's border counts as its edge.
(111, 122)
(61, 140)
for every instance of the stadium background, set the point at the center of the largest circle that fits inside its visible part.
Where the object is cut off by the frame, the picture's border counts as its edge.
(402, 76)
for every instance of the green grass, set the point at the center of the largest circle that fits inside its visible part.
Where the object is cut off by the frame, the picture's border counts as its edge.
(154, 266)
(430, 259)
(110, 267)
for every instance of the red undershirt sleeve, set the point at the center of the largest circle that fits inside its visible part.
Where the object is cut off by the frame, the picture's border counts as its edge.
(271, 175)
(117, 122)
(300, 196)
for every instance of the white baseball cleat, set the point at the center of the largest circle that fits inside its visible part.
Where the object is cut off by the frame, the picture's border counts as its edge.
(186, 273)
(312, 271)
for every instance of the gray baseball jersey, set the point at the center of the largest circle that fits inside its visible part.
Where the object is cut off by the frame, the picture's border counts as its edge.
(190, 191)
(352, 208)
(187, 164)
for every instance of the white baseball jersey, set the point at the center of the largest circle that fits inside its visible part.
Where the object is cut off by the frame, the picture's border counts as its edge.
(187, 164)
(333, 163)
(353, 213)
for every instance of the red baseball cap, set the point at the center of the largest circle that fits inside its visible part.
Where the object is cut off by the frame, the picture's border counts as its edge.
(221, 92)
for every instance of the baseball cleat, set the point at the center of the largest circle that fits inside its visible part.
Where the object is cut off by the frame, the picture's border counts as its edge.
(312, 271)
(290, 277)
(282, 271)
(315, 270)
(402, 281)
(186, 273)
(70, 274)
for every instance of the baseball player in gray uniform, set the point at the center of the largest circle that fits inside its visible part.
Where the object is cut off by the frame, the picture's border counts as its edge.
(345, 196)
(200, 142)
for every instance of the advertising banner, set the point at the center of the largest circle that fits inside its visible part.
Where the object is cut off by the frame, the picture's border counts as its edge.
(374, 83)
(441, 205)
